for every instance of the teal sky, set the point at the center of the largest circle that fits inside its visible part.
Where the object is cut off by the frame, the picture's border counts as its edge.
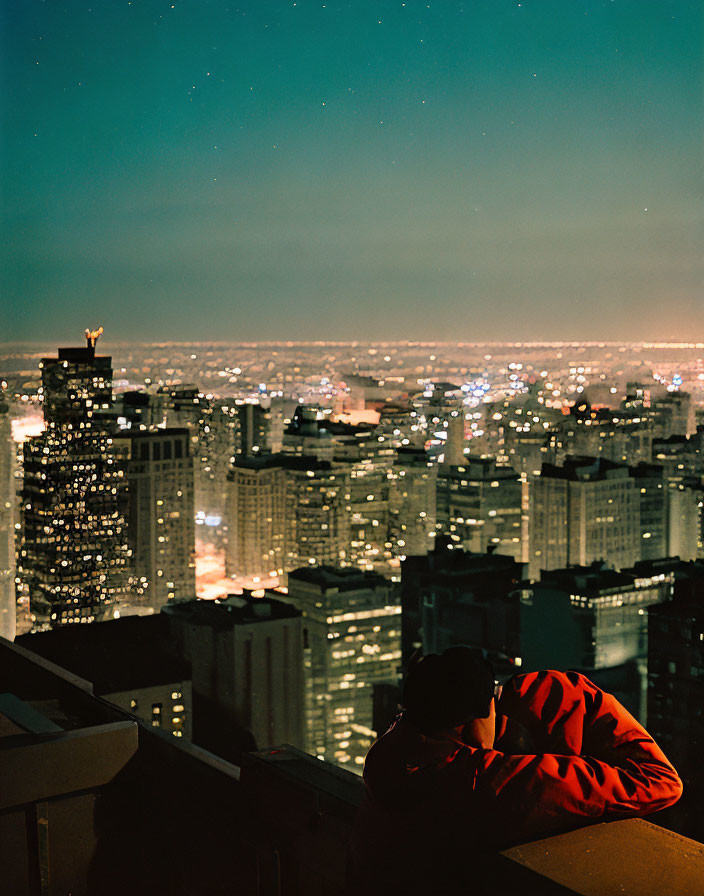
(452, 170)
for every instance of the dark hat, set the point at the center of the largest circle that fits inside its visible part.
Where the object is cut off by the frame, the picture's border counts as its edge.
(442, 691)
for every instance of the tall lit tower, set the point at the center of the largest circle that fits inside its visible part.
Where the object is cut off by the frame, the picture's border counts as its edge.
(74, 547)
(8, 503)
(160, 519)
(352, 637)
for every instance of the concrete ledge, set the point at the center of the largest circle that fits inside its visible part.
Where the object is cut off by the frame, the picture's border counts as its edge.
(628, 858)
(36, 767)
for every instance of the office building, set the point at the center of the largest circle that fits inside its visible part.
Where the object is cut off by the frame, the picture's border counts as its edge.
(685, 501)
(680, 456)
(398, 423)
(353, 641)
(619, 436)
(254, 435)
(256, 519)
(8, 515)
(369, 462)
(412, 502)
(160, 518)
(676, 686)
(130, 662)
(517, 430)
(480, 507)
(308, 433)
(284, 511)
(673, 414)
(213, 427)
(452, 597)
(318, 508)
(595, 620)
(585, 510)
(246, 657)
(74, 550)
(654, 510)
(440, 415)
(134, 410)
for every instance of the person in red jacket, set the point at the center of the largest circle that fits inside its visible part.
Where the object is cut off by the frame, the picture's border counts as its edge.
(469, 768)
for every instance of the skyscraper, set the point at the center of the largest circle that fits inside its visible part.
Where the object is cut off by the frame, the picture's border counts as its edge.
(652, 488)
(451, 597)
(213, 427)
(8, 501)
(412, 502)
(369, 462)
(246, 655)
(160, 485)
(284, 511)
(594, 619)
(317, 512)
(74, 543)
(479, 506)
(256, 518)
(254, 429)
(353, 641)
(588, 509)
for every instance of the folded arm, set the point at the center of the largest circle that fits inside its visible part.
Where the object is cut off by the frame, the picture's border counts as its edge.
(592, 761)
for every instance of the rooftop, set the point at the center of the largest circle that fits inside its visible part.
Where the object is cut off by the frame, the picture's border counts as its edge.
(282, 461)
(585, 469)
(116, 655)
(683, 607)
(80, 355)
(345, 578)
(588, 579)
(684, 570)
(446, 560)
(234, 610)
(161, 432)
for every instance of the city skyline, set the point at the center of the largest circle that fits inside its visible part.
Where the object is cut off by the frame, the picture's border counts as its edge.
(495, 171)
(253, 557)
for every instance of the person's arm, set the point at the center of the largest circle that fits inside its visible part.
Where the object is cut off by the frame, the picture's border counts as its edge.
(593, 761)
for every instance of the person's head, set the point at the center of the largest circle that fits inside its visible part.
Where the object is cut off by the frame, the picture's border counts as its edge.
(452, 690)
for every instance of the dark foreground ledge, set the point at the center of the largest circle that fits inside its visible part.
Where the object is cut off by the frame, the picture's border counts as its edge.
(311, 806)
(92, 801)
(630, 858)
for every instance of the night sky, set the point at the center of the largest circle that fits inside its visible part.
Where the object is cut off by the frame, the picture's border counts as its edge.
(198, 169)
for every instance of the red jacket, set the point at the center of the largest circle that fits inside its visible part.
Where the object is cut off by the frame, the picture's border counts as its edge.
(433, 801)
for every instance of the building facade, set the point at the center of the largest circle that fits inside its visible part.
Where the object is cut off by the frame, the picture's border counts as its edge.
(594, 619)
(130, 662)
(353, 641)
(8, 504)
(412, 503)
(160, 518)
(480, 507)
(676, 687)
(284, 511)
(74, 551)
(586, 510)
(453, 597)
(246, 656)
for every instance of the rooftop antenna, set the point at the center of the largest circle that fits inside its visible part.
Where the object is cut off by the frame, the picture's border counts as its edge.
(92, 337)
